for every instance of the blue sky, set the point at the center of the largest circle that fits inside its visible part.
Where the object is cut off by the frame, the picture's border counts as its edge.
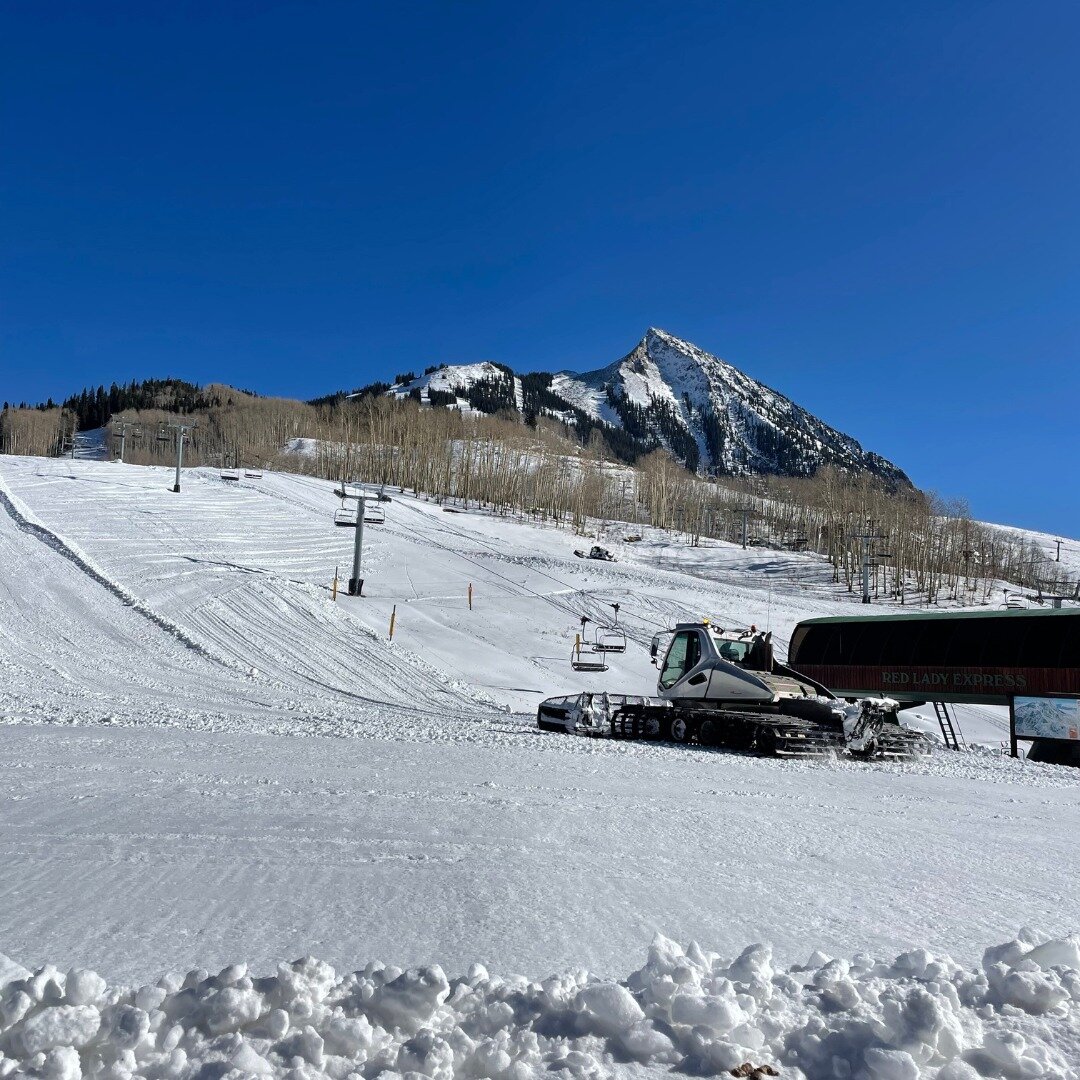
(872, 208)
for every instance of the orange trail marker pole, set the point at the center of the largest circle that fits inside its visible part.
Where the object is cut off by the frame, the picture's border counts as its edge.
(393, 620)
(334, 594)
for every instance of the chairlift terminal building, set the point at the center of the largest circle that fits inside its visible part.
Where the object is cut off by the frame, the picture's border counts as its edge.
(971, 657)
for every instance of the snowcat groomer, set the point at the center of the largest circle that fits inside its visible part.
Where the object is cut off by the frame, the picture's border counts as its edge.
(725, 688)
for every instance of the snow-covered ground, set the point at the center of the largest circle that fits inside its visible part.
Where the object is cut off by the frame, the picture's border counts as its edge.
(160, 654)
(1067, 555)
(92, 444)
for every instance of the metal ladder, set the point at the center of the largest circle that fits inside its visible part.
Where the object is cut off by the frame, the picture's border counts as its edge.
(950, 729)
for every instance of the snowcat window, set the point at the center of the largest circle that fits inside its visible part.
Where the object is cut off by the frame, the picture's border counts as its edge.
(735, 651)
(693, 652)
(684, 654)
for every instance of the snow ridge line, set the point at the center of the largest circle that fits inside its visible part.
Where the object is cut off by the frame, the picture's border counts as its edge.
(26, 523)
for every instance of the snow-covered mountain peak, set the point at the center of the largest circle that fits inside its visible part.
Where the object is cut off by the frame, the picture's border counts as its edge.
(665, 392)
(711, 415)
(669, 367)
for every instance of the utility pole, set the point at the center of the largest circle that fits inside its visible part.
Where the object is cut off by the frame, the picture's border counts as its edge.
(356, 582)
(181, 429)
(746, 511)
(1058, 557)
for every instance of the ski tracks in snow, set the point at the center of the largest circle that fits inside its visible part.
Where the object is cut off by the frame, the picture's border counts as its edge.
(23, 521)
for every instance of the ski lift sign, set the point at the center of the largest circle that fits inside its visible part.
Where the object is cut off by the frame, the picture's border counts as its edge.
(1047, 717)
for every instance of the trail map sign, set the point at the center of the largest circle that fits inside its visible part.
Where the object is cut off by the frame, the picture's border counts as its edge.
(1047, 717)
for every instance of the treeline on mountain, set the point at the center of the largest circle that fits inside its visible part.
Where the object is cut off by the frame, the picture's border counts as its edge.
(925, 549)
(643, 427)
(374, 389)
(490, 394)
(92, 407)
(655, 424)
(541, 469)
(494, 394)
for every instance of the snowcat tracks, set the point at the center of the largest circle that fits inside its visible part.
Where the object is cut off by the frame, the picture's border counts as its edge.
(773, 736)
(639, 722)
(767, 735)
(897, 745)
(802, 742)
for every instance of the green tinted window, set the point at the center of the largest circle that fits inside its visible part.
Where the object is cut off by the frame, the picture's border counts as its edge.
(682, 656)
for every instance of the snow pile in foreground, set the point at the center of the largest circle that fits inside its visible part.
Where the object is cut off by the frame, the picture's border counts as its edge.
(686, 1009)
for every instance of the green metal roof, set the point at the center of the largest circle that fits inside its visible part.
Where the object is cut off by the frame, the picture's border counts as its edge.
(1010, 613)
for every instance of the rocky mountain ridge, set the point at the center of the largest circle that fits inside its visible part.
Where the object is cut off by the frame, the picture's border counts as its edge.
(665, 392)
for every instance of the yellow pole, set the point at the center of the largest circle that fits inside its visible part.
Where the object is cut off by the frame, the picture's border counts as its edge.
(334, 596)
(577, 645)
(393, 619)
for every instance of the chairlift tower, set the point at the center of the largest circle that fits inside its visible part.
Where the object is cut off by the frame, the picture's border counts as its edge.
(181, 432)
(868, 555)
(123, 426)
(967, 555)
(746, 511)
(356, 582)
(624, 486)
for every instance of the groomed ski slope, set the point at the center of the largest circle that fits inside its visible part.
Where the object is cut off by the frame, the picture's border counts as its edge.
(160, 650)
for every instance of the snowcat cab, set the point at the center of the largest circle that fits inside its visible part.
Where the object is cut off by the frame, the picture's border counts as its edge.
(735, 667)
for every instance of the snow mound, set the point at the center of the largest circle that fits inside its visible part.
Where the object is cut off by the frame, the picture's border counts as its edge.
(686, 1010)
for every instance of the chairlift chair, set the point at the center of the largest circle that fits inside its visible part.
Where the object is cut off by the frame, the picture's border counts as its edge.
(346, 517)
(374, 514)
(252, 474)
(585, 656)
(611, 638)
